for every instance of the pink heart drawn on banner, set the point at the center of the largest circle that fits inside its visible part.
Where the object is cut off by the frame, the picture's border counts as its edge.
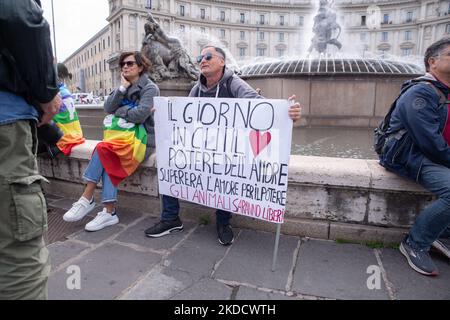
(259, 141)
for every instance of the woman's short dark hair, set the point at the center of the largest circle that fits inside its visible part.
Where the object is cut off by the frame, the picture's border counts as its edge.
(435, 50)
(141, 60)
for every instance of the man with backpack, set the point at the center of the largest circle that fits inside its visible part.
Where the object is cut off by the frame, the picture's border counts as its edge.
(416, 146)
(215, 81)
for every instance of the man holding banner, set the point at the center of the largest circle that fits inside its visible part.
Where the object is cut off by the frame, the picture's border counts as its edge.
(216, 81)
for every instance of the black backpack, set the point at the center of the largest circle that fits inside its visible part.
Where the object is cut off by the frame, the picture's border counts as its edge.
(380, 133)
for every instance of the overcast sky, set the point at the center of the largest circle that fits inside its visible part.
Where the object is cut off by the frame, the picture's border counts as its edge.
(76, 21)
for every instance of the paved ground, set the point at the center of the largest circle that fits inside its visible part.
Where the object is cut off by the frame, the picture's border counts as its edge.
(121, 263)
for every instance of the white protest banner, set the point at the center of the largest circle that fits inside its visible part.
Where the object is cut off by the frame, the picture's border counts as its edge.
(228, 154)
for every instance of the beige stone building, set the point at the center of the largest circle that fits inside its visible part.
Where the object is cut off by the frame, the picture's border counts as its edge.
(257, 28)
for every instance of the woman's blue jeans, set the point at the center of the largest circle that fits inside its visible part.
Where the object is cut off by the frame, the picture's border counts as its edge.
(434, 221)
(94, 173)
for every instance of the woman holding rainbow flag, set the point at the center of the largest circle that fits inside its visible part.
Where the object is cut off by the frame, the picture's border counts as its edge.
(129, 139)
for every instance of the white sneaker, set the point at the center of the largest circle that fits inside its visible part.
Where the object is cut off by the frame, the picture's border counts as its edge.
(79, 210)
(102, 220)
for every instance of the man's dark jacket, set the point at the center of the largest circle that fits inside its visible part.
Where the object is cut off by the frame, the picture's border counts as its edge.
(418, 112)
(26, 58)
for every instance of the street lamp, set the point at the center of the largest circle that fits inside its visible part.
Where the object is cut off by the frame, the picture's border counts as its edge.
(54, 33)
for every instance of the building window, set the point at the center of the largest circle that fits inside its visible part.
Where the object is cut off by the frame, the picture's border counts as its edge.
(181, 10)
(408, 35)
(280, 52)
(148, 4)
(363, 20)
(242, 35)
(222, 15)
(109, 41)
(202, 30)
(242, 52)
(104, 44)
(104, 65)
(262, 19)
(261, 36)
(301, 20)
(384, 36)
(448, 10)
(242, 20)
(409, 16)
(447, 28)
(406, 52)
(202, 13)
(222, 33)
(386, 18)
(363, 36)
(260, 52)
(281, 20)
(281, 37)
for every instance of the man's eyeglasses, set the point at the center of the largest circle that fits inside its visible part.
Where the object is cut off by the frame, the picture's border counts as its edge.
(207, 56)
(129, 64)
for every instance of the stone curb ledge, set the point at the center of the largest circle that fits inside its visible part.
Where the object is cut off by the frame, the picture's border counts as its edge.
(328, 198)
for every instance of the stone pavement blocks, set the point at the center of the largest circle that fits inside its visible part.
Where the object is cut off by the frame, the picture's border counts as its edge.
(245, 293)
(136, 235)
(60, 252)
(160, 284)
(250, 260)
(64, 203)
(338, 271)
(128, 216)
(206, 289)
(60, 230)
(105, 273)
(410, 285)
(51, 198)
(199, 253)
(99, 236)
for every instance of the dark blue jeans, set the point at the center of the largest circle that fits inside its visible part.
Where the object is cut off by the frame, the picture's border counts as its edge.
(171, 209)
(434, 221)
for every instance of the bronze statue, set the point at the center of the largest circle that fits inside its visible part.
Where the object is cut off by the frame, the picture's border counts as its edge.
(168, 56)
(324, 27)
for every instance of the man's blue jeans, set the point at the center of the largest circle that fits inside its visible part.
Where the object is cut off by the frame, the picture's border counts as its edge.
(434, 221)
(94, 173)
(171, 209)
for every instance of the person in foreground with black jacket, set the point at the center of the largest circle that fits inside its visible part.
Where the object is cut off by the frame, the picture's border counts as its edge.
(418, 148)
(28, 98)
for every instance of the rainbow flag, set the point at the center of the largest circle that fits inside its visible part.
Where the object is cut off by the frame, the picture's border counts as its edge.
(123, 146)
(67, 120)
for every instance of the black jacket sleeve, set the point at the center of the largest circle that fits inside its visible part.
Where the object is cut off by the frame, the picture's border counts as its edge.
(26, 59)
